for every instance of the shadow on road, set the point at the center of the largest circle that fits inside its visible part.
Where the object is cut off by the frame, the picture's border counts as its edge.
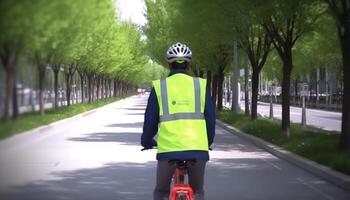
(112, 181)
(225, 141)
(127, 125)
(226, 179)
(143, 109)
(141, 105)
(124, 138)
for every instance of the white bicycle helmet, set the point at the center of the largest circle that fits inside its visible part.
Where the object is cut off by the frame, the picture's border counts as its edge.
(179, 52)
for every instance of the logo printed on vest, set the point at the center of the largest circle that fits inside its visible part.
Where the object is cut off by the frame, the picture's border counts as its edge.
(181, 103)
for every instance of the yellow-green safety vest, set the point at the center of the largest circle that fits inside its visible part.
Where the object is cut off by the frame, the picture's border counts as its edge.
(181, 100)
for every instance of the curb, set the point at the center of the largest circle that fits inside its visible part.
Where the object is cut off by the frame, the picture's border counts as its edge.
(339, 179)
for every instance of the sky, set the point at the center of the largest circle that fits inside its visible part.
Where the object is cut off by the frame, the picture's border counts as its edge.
(132, 10)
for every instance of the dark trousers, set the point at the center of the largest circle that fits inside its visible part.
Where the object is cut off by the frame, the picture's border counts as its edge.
(165, 171)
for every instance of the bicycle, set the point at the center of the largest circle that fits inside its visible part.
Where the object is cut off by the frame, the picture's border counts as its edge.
(181, 190)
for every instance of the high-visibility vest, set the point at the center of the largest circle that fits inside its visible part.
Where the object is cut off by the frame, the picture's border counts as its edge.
(181, 100)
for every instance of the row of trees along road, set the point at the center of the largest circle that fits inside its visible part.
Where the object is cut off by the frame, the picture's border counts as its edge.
(81, 36)
(295, 35)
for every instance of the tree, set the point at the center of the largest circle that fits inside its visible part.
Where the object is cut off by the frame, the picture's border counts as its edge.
(82, 35)
(253, 39)
(340, 10)
(157, 30)
(44, 40)
(285, 23)
(257, 45)
(13, 25)
(174, 21)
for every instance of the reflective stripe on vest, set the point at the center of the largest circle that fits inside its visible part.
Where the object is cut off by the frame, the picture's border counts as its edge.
(194, 115)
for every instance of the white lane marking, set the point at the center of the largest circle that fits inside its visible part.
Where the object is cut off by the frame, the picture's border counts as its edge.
(315, 189)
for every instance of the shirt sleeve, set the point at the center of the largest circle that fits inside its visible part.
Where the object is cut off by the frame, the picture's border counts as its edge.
(151, 121)
(210, 119)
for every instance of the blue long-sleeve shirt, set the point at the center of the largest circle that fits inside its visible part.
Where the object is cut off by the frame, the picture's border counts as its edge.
(151, 122)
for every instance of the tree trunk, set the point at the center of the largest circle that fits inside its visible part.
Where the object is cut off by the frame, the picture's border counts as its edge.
(246, 86)
(287, 71)
(126, 89)
(344, 143)
(15, 111)
(41, 71)
(9, 63)
(228, 83)
(318, 87)
(214, 89)
(97, 87)
(106, 89)
(255, 85)
(220, 83)
(115, 88)
(9, 93)
(109, 87)
(94, 88)
(56, 70)
(90, 79)
(86, 91)
(209, 77)
(124, 86)
(68, 88)
(235, 107)
(82, 77)
(103, 88)
(69, 73)
(121, 86)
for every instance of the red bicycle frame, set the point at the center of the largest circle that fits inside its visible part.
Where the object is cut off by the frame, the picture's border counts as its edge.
(180, 189)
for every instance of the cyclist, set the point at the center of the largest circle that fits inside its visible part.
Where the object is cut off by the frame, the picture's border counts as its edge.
(182, 109)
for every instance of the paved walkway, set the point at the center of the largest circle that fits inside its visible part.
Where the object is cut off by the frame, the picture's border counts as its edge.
(97, 156)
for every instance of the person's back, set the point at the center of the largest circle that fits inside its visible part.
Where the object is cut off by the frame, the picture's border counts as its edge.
(183, 108)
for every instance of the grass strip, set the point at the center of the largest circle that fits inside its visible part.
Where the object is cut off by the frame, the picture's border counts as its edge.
(319, 146)
(30, 120)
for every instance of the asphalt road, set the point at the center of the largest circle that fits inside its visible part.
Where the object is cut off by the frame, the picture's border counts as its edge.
(326, 120)
(97, 156)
